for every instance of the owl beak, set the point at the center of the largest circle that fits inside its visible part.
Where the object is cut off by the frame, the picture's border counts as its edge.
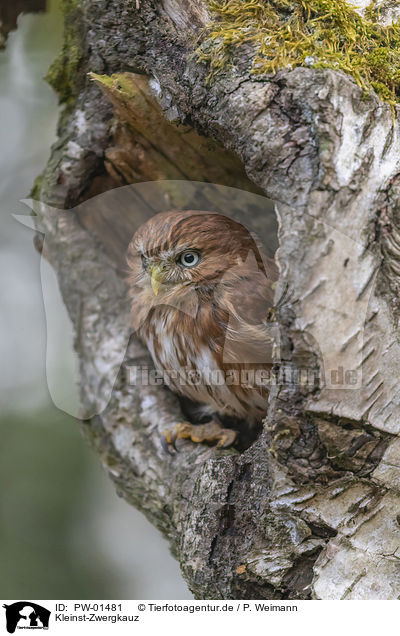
(156, 278)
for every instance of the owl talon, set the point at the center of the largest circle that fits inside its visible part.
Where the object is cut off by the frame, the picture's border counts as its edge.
(227, 439)
(168, 440)
(201, 433)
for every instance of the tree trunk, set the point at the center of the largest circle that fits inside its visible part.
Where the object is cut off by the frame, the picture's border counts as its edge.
(311, 508)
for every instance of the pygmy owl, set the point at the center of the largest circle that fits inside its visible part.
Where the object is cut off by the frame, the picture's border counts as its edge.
(201, 292)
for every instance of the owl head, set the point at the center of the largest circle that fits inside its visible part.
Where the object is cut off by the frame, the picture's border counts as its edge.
(181, 249)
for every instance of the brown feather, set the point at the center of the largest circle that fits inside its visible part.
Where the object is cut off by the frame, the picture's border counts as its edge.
(213, 315)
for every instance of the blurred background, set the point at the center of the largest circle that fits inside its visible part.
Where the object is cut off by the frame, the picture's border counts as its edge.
(64, 533)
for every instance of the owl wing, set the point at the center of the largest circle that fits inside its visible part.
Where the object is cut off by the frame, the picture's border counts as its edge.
(246, 297)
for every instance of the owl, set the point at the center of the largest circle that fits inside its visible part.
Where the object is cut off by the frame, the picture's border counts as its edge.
(201, 293)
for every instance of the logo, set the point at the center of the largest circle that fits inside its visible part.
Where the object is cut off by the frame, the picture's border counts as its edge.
(26, 615)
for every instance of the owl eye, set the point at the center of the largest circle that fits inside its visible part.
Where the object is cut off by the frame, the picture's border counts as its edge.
(189, 259)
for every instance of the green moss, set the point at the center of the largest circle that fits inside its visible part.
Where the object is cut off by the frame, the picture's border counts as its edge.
(314, 33)
(37, 188)
(64, 74)
(118, 82)
(106, 80)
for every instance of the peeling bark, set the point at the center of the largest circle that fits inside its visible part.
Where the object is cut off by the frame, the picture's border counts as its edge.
(311, 509)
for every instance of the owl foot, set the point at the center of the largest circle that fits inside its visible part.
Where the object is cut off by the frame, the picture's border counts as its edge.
(200, 433)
